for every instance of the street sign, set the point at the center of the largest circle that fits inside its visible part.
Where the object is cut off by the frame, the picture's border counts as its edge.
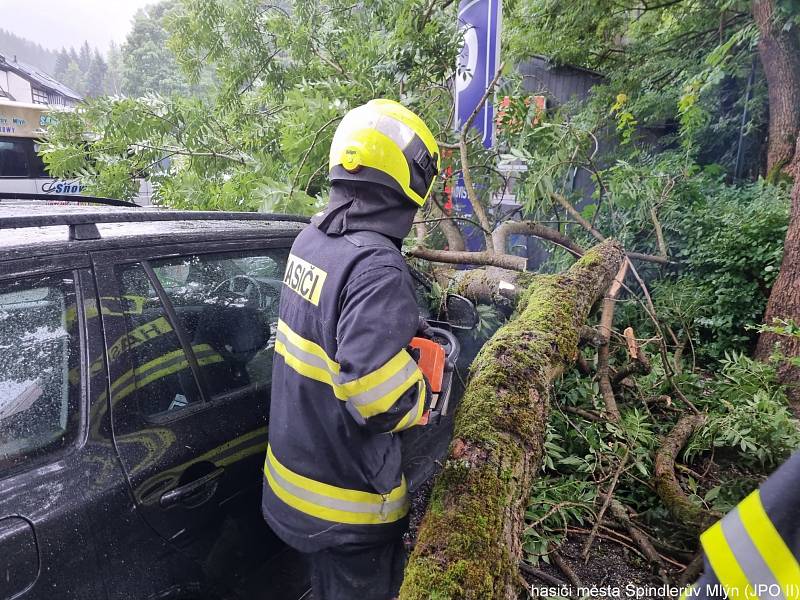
(480, 22)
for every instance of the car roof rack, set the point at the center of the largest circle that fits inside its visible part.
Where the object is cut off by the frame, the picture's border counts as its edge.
(68, 198)
(83, 226)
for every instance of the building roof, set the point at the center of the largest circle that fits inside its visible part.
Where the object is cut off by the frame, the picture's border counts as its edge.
(39, 77)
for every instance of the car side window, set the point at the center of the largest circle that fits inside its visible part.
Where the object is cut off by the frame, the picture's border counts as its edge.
(228, 302)
(39, 366)
(161, 378)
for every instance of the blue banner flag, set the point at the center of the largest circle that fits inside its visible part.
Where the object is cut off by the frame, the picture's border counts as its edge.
(480, 22)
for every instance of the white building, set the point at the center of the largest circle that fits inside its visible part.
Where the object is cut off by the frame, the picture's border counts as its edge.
(21, 82)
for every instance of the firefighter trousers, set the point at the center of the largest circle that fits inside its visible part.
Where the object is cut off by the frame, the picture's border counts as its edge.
(358, 571)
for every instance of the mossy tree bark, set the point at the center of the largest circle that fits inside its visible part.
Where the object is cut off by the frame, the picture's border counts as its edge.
(469, 543)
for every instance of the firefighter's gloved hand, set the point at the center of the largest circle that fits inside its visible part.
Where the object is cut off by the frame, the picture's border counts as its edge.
(424, 328)
(414, 352)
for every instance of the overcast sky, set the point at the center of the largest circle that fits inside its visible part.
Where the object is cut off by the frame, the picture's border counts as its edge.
(64, 23)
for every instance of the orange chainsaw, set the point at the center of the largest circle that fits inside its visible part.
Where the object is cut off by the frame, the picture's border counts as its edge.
(437, 359)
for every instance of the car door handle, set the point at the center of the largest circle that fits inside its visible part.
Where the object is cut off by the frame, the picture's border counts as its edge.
(187, 490)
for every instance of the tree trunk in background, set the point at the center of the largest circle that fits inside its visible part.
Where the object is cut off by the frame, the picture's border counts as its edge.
(784, 299)
(470, 541)
(780, 54)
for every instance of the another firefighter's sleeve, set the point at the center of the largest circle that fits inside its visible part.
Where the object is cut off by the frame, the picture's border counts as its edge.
(753, 551)
(383, 388)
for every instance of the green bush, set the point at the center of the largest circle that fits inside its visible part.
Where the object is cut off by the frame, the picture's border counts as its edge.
(747, 413)
(729, 241)
(728, 244)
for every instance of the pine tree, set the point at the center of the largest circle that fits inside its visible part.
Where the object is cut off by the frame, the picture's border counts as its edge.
(62, 64)
(85, 58)
(96, 75)
(148, 65)
(113, 83)
(74, 78)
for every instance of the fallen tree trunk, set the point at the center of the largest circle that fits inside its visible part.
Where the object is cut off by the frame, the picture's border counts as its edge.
(469, 543)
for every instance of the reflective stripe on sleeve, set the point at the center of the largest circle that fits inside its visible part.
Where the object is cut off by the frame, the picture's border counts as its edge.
(724, 562)
(305, 364)
(307, 346)
(381, 380)
(390, 382)
(370, 395)
(745, 550)
(332, 503)
(771, 546)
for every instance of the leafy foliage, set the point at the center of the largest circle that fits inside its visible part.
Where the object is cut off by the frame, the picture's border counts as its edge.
(666, 137)
(555, 503)
(748, 423)
(748, 412)
(683, 65)
(729, 242)
(282, 76)
(786, 328)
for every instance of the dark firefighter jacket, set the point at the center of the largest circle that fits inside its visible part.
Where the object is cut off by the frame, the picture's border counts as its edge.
(343, 385)
(753, 551)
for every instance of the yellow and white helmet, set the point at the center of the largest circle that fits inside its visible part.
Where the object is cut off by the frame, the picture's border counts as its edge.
(385, 143)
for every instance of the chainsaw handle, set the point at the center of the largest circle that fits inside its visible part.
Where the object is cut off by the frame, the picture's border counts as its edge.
(454, 346)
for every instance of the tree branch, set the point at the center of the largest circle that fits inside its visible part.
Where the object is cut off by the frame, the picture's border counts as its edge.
(308, 151)
(609, 495)
(500, 235)
(191, 153)
(470, 538)
(579, 218)
(604, 329)
(567, 205)
(504, 261)
(620, 513)
(667, 485)
(455, 239)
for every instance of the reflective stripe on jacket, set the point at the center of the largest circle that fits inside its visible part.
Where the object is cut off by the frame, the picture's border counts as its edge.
(753, 551)
(342, 384)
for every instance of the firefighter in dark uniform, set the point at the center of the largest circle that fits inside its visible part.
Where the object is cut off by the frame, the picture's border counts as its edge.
(343, 382)
(753, 551)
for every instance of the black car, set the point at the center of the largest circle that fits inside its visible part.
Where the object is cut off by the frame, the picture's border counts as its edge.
(135, 361)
